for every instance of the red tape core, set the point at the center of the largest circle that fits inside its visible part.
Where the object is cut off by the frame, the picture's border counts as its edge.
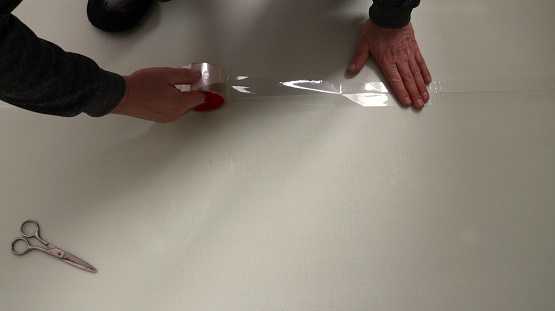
(211, 102)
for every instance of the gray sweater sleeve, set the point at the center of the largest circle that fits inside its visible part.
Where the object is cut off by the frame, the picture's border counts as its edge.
(39, 76)
(392, 13)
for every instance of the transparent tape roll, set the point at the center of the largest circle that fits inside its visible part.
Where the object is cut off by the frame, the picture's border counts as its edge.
(213, 82)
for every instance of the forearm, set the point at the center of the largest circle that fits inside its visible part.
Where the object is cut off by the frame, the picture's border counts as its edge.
(392, 13)
(39, 76)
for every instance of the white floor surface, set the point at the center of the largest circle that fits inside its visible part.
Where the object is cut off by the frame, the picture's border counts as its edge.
(294, 202)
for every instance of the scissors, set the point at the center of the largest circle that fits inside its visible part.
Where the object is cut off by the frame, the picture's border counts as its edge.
(51, 249)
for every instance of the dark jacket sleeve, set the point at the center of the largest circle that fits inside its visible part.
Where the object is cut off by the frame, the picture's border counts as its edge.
(39, 76)
(392, 13)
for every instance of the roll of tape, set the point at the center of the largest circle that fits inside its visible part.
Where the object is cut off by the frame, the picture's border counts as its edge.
(213, 83)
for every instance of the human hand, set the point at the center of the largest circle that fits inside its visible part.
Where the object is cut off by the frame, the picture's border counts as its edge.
(150, 94)
(396, 52)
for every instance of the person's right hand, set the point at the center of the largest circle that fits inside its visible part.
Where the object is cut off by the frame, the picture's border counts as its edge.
(398, 55)
(151, 94)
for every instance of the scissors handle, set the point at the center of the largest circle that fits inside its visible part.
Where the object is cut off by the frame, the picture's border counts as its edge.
(51, 250)
(27, 246)
(35, 233)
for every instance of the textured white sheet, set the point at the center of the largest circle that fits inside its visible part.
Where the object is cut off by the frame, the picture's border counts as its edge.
(298, 202)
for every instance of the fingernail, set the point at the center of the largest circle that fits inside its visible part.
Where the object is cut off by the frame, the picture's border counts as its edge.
(353, 66)
(425, 96)
(428, 78)
(419, 103)
(408, 101)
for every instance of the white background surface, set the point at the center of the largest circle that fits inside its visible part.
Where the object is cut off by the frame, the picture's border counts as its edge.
(298, 202)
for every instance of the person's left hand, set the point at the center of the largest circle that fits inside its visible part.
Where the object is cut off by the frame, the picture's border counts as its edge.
(396, 52)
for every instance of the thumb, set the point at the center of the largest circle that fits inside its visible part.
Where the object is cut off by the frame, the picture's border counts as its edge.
(175, 76)
(359, 59)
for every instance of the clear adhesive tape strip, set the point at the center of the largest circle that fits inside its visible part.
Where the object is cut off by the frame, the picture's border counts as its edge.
(374, 94)
(217, 84)
(370, 94)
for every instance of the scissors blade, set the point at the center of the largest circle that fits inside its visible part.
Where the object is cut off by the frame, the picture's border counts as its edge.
(78, 262)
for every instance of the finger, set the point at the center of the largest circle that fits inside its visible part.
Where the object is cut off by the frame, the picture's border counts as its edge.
(193, 99)
(419, 80)
(410, 85)
(395, 81)
(423, 67)
(359, 59)
(175, 76)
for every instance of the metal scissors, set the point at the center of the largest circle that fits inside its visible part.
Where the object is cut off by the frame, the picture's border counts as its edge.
(51, 249)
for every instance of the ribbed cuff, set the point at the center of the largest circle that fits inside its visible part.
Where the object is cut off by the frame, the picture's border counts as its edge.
(392, 16)
(109, 95)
